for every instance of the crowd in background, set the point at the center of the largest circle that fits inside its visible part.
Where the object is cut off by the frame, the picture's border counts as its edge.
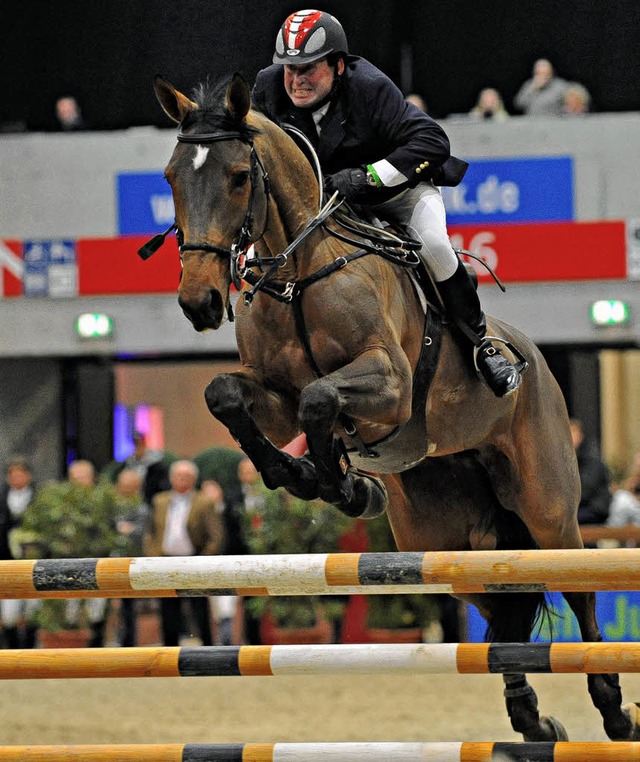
(545, 94)
(154, 505)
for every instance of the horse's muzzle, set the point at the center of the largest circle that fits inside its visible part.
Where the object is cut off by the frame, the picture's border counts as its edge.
(206, 314)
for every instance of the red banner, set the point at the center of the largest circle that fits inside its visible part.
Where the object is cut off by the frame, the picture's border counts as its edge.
(526, 253)
(548, 251)
(112, 266)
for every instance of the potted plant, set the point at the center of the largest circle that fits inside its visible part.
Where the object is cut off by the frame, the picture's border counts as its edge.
(286, 524)
(394, 618)
(67, 520)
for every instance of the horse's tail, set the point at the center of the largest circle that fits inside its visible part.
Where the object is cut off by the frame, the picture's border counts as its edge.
(515, 616)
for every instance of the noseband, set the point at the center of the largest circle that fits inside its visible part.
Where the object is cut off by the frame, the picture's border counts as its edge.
(244, 240)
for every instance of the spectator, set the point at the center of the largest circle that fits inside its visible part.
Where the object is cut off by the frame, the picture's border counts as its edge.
(489, 106)
(69, 116)
(132, 524)
(418, 101)
(149, 464)
(543, 94)
(223, 606)
(625, 501)
(577, 100)
(83, 473)
(184, 522)
(594, 478)
(15, 496)
(240, 504)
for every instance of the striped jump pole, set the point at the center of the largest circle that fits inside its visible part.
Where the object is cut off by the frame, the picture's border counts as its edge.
(491, 571)
(309, 660)
(560, 751)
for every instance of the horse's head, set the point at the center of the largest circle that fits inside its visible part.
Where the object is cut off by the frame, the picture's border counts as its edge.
(219, 191)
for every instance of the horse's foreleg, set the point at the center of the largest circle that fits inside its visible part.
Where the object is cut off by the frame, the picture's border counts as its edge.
(368, 389)
(357, 495)
(229, 398)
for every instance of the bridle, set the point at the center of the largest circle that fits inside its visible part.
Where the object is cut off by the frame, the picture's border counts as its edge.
(237, 253)
(244, 240)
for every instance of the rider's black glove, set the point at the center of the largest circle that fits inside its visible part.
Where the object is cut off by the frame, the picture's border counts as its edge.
(350, 183)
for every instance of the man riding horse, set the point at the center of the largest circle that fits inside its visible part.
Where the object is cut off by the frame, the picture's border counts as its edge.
(380, 151)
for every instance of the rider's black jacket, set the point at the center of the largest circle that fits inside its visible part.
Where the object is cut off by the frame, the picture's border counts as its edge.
(368, 120)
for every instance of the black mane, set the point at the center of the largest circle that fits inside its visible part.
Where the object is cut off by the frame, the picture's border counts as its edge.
(212, 114)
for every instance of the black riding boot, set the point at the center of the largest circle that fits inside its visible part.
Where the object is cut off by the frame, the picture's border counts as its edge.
(462, 305)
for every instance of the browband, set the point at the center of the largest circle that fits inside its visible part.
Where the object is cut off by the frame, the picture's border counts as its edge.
(211, 137)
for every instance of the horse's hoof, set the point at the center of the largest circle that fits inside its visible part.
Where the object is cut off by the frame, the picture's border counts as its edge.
(371, 494)
(556, 731)
(632, 711)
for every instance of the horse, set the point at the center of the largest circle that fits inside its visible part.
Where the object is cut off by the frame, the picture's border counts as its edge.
(335, 344)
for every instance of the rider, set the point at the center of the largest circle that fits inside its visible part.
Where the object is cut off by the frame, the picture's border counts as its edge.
(378, 150)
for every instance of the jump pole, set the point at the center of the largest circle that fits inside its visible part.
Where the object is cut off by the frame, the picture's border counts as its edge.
(560, 751)
(576, 570)
(310, 660)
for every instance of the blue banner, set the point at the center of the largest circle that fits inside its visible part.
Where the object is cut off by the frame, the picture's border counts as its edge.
(513, 190)
(618, 616)
(145, 204)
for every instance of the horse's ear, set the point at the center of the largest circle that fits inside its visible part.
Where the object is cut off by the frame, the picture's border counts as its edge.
(174, 103)
(238, 97)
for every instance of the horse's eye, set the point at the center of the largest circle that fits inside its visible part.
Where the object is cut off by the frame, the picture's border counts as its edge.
(240, 179)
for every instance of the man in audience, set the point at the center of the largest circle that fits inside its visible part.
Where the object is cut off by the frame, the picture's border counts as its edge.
(184, 522)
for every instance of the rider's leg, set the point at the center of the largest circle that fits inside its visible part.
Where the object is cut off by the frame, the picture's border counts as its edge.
(422, 211)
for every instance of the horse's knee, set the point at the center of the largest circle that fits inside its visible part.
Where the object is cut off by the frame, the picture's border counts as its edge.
(319, 406)
(223, 395)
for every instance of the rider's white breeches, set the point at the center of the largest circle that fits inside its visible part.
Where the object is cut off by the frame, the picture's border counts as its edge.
(421, 211)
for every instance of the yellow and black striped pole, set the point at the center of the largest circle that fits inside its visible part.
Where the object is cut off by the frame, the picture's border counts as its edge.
(579, 570)
(308, 660)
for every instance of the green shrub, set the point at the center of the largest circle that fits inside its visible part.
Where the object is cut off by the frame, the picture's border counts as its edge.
(67, 520)
(221, 465)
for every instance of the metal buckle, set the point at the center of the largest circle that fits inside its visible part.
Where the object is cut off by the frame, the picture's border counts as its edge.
(288, 293)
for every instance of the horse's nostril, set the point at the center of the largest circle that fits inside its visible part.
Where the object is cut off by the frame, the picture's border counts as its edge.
(207, 313)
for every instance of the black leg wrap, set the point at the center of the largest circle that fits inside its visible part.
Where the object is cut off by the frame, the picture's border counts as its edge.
(606, 695)
(335, 481)
(522, 706)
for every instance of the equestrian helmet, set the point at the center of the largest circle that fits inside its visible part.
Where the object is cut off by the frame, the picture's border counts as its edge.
(307, 36)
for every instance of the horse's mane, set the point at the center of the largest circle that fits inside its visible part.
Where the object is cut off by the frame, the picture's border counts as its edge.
(212, 114)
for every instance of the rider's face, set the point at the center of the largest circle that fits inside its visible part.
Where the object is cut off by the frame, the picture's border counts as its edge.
(308, 84)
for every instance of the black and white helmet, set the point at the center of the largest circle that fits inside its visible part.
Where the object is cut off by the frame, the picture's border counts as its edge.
(307, 36)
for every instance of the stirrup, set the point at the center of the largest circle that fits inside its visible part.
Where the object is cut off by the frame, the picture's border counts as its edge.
(486, 345)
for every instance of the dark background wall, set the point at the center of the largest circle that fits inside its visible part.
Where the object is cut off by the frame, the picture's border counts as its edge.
(107, 51)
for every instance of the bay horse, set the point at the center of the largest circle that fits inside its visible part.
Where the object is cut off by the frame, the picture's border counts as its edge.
(335, 344)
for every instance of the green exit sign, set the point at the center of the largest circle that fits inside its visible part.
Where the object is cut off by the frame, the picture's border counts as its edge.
(94, 325)
(609, 312)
